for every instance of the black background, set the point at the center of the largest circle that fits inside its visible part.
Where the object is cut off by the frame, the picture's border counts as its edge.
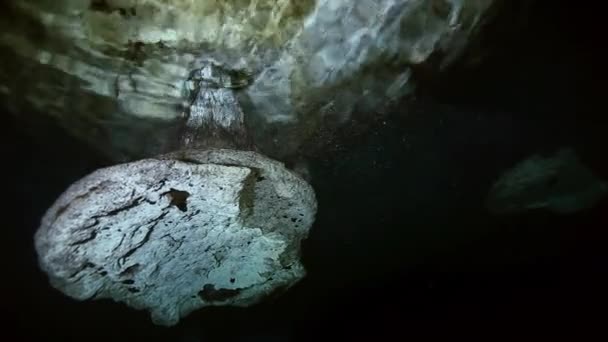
(402, 245)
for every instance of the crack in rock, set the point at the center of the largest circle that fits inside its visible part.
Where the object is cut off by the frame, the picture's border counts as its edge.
(155, 222)
(91, 237)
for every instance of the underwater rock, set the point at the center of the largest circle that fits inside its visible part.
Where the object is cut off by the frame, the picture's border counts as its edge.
(113, 71)
(179, 232)
(560, 184)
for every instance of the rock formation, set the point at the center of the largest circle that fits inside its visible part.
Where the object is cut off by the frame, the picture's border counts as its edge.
(204, 225)
(172, 235)
(559, 183)
(218, 83)
(113, 71)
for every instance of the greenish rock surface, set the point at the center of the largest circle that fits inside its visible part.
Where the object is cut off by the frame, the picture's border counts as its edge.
(559, 183)
(113, 71)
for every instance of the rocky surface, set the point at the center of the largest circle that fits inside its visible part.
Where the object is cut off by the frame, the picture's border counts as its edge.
(113, 71)
(560, 183)
(184, 231)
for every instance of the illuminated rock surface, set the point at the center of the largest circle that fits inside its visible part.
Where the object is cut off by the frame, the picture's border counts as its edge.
(559, 183)
(180, 232)
(113, 71)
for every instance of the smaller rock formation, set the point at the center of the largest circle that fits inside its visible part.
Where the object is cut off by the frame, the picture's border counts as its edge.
(560, 184)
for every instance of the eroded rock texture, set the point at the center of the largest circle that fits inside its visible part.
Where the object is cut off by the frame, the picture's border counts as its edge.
(113, 71)
(560, 183)
(214, 118)
(212, 228)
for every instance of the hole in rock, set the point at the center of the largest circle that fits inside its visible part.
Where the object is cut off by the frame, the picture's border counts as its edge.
(179, 199)
(210, 294)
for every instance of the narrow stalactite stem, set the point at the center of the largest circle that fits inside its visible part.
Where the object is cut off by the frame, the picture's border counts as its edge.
(214, 118)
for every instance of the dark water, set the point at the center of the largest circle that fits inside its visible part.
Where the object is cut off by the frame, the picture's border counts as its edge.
(402, 245)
